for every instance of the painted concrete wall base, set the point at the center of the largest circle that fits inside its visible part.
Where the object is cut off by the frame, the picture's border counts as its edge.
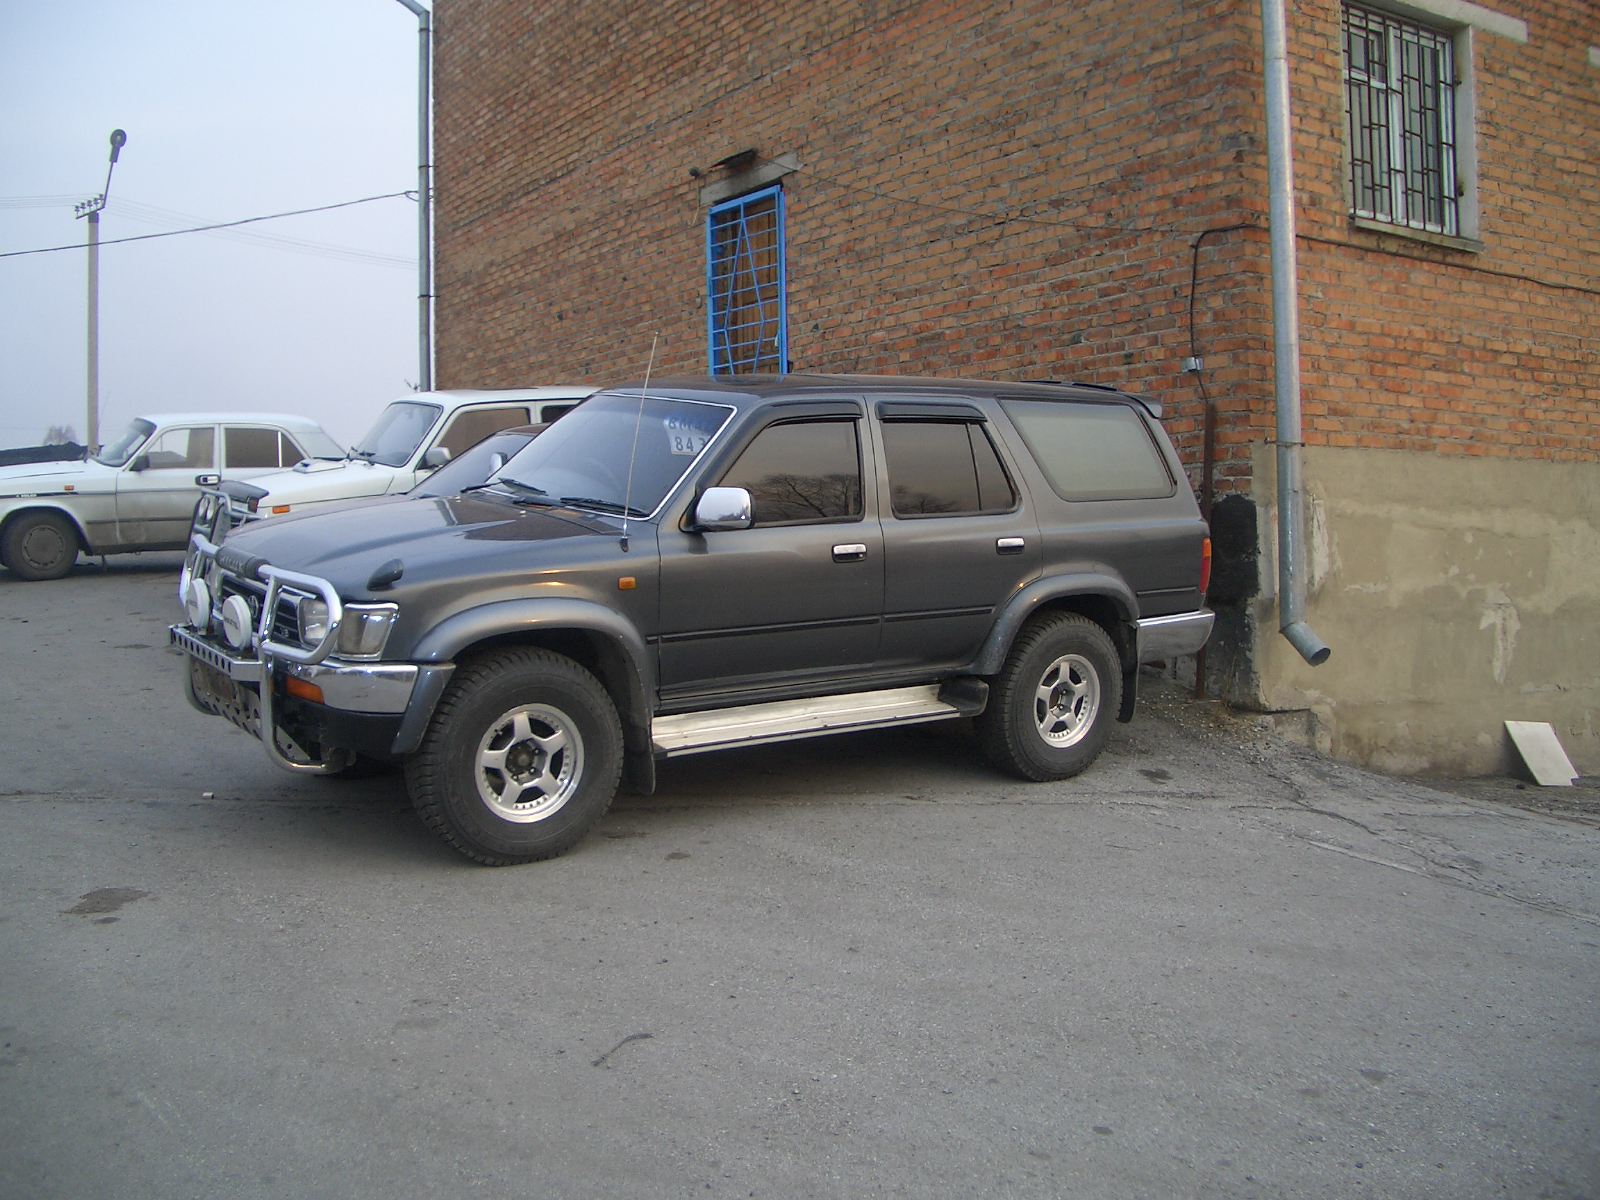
(1456, 593)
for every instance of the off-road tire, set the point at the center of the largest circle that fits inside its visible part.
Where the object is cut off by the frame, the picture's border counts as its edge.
(1051, 707)
(39, 545)
(521, 759)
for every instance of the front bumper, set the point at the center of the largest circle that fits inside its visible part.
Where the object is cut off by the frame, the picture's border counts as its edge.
(334, 710)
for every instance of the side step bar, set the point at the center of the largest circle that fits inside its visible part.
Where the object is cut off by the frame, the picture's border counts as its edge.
(790, 720)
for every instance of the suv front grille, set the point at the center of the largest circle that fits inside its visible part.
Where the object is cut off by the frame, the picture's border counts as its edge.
(286, 618)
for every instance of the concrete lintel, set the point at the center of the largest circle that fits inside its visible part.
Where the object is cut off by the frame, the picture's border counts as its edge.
(757, 176)
(1462, 13)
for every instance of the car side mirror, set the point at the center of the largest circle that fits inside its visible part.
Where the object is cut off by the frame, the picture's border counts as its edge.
(207, 480)
(435, 458)
(139, 462)
(721, 508)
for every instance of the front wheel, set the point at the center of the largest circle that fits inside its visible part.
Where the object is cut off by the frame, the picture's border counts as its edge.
(522, 758)
(1050, 710)
(40, 545)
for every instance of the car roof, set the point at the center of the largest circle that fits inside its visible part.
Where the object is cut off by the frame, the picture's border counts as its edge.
(287, 420)
(451, 397)
(745, 390)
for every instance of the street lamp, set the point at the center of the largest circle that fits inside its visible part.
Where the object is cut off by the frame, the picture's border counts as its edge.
(91, 208)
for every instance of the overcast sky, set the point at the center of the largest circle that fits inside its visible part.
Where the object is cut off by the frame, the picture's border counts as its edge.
(232, 110)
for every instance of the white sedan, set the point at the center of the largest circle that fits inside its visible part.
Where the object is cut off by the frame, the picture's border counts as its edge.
(139, 491)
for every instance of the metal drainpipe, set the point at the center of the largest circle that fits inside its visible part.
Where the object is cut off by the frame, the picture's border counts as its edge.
(1286, 343)
(424, 206)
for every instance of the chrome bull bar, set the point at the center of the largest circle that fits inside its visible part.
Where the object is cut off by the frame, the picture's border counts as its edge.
(252, 706)
(253, 673)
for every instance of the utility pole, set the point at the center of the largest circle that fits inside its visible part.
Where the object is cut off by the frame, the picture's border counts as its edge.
(424, 203)
(91, 209)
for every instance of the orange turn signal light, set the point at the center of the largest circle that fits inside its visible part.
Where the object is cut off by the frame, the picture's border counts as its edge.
(302, 688)
(1205, 566)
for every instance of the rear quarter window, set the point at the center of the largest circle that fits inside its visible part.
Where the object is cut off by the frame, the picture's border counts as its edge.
(246, 447)
(1092, 451)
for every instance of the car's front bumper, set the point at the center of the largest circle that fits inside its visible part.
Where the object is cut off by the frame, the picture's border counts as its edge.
(356, 707)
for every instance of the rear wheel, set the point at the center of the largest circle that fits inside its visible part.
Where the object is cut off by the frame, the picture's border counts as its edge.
(522, 758)
(1050, 710)
(40, 545)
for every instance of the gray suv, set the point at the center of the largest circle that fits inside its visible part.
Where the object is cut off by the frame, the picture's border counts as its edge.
(699, 564)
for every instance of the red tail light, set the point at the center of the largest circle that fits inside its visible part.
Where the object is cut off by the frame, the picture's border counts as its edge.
(1205, 567)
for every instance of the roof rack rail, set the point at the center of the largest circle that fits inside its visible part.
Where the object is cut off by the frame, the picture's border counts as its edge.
(1077, 383)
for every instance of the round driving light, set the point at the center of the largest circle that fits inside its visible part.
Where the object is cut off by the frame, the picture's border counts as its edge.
(197, 604)
(236, 622)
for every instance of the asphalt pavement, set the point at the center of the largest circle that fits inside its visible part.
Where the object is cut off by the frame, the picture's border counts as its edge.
(1215, 965)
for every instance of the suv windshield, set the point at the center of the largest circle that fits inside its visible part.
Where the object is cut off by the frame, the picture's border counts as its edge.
(615, 449)
(397, 434)
(120, 451)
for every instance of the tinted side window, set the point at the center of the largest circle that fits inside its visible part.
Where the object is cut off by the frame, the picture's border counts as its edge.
(1092, 451)
(242, 447)
(470, 428)
(944, 467)
(805, 471)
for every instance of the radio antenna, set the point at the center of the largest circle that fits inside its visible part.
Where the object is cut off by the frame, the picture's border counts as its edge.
(627, 495)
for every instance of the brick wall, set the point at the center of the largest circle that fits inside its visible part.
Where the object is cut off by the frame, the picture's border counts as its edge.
(1416, 347)
(1009, 193)
(1014, 191)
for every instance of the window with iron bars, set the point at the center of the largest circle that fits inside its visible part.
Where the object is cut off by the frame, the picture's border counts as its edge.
(745, 285)
(1400, 85)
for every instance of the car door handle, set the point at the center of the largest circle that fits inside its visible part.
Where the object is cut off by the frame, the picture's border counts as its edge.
(850, 552)
(1010, 545)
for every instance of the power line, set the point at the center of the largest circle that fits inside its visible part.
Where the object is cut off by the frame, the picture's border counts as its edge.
(151, 214)
(143, 237)
(40, 201)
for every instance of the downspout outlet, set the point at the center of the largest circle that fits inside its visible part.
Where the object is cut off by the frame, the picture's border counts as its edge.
(1312, 648)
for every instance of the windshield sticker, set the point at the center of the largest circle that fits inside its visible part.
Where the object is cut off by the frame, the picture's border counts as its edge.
(684, 437)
